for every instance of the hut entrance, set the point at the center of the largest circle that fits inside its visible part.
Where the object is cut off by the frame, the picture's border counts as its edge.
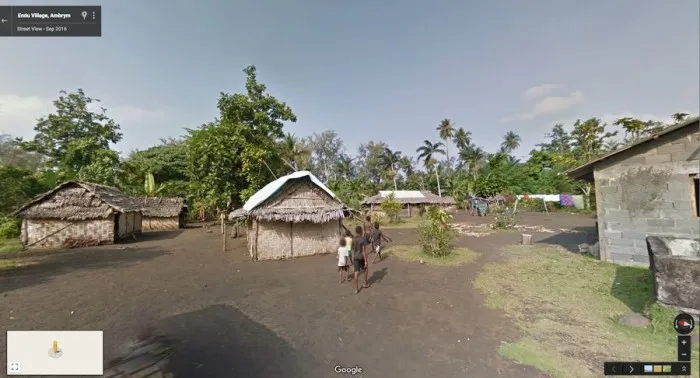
(116, 225)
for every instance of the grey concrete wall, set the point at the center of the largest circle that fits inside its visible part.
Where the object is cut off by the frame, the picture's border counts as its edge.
(647, 191)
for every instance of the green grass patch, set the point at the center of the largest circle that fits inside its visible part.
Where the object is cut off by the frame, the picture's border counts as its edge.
(8, 264)
(10, 245)
(567, 307)
(459, 256)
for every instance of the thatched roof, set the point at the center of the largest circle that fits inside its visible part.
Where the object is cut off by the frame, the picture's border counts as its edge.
(298, 197)
(76, 200)
(161, 207)
(413, 197)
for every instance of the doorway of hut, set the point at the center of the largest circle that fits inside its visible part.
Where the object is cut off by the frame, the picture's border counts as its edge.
(116, 226)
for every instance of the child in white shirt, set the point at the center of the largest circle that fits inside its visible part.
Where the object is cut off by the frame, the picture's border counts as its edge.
(342, 260)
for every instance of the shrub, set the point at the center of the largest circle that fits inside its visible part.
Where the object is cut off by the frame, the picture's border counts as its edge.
(9, 227)
(391, 208)
(503, 218)
(531, 204)
(421, 210)
(436, 233)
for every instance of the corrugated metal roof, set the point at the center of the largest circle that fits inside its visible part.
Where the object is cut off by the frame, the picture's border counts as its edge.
(270, 189)
(402, 193)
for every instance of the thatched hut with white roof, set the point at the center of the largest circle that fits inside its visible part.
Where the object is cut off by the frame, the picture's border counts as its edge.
(295, 215)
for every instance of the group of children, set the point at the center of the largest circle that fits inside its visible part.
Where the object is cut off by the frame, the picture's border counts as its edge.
(355, 249)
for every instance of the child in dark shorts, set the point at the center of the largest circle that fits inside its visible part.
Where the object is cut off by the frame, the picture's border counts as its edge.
(359, 255)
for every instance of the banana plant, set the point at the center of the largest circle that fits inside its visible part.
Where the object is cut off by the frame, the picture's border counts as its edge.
(150, 187)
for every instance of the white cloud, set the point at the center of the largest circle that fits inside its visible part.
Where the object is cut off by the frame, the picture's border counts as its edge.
(548, 105)
(541, 90)
(18, 114)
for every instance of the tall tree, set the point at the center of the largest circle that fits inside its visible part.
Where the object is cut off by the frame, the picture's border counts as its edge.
(232, 158)
(679, 117)
(370, 158)
(427, 153)
(511, 141)
(391, 161)
(326, 148)
(590, 137)
(73, 135)
(462, 138)
(446, 130)
(633, 127)
(12, 154)
(294, 152)
(559, 140)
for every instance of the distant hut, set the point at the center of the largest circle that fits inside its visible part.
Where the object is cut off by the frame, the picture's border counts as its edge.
(163, 213)
(78, 214)
(409, 200)
(295, 215)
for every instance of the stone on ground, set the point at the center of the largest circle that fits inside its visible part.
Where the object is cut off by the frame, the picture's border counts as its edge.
(632, 319)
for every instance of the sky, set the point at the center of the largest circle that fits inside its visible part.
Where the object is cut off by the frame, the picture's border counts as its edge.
(370, 70)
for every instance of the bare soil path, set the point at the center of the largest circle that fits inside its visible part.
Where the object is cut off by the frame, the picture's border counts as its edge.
(236, 318)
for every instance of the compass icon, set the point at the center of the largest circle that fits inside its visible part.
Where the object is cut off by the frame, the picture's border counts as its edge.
(684, 324)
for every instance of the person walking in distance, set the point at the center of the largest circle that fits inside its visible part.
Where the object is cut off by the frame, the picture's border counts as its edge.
(359, 252)
(377, 238)
(367, 225)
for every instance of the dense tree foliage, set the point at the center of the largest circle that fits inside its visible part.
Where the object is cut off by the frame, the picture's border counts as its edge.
(220, 164)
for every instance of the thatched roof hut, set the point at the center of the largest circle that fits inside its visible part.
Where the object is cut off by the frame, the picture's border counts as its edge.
(295, 215)
(78, 213)
(163, 213)
(409, 199)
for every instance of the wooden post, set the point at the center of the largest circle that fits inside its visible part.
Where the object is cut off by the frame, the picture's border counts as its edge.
(527, 239)
(545, 206)
(223, 225)
(409, 210)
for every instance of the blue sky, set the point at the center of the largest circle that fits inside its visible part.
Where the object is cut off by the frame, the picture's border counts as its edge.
(382, 70)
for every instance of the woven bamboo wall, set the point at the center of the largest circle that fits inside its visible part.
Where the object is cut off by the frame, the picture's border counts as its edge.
(138, 223)
(160, 224)
(280, 240)
(101, 230)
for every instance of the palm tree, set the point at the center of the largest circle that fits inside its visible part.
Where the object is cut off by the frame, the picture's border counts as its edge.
(345, 167)
(462, 138)
(406, 164)
(390, 160)
(511, 141)
(446, 129)
(473, 157)
(426, 152)
(293, 151)
(679, 117)
(612, 145)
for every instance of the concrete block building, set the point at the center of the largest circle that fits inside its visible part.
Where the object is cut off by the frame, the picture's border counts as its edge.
(648, 188)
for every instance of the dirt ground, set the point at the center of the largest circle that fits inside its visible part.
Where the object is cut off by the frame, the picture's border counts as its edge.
(236, 318)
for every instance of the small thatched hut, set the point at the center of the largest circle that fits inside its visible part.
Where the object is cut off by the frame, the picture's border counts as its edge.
(295, 215)
(409, 200)
(163, 213)
(77, 214)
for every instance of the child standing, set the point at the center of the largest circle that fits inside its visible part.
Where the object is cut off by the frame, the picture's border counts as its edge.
(377, 237)
(348, 242)
(342, 260)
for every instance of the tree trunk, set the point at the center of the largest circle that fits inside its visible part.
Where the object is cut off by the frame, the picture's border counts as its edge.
(437, 176)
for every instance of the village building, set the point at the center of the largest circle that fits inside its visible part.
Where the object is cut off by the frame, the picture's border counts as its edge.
(410, 200)
(648, 188)
(78, 214)
(295, 215)
(163, 213)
